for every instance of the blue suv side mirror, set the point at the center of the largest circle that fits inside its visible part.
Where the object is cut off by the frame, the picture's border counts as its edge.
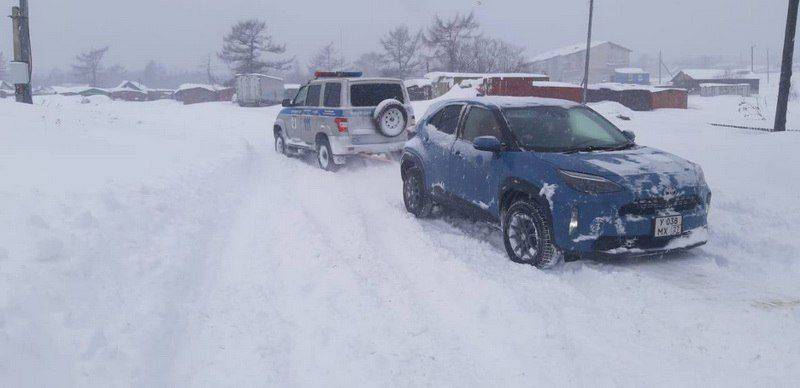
(487, 143)
(286, 103)
(629, 135)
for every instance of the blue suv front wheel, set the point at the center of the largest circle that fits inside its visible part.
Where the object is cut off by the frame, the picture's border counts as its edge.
(415, 196)
(528, 235)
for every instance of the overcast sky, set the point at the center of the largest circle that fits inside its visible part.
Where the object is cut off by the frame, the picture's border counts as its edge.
(180, 33)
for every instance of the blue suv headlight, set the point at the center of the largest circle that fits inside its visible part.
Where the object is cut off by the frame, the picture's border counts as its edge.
(587, 183)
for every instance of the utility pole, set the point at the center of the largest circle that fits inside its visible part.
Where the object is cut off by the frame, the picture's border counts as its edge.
(588, 53)
(752, 58)
(786, 67)
(22, 48)
(659, 67)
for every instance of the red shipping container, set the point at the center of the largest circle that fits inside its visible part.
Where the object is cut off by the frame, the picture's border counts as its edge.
(516, 87)
(670, 99)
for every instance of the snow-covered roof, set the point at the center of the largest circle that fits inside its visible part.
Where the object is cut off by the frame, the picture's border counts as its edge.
(711, 84)
(571, 49)
(211, 88)
(621, 87)
(630, 70)
(131, 85)
(554, 84)
(704, 73)
(261, 75)
(418, 82)
(436, 75)
(516, 102)
(75, 89)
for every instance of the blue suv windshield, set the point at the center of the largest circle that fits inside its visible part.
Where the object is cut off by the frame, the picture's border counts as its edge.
(558, 129)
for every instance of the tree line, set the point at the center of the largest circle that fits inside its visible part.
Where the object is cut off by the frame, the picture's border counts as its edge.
(453, 43)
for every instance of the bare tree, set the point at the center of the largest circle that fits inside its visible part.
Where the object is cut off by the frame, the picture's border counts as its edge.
(402, 51)
(154, 74)
(246, 43)
(3, 67)
(486, 55)
(112, 76)
(326, 58)
(208, 67)
(88, 65)
(371, 64)
(447, 39)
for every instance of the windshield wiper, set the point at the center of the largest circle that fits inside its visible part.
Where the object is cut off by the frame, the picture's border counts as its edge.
(598, 148)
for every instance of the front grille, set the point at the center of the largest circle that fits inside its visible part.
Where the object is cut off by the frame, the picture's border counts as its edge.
(651, 206)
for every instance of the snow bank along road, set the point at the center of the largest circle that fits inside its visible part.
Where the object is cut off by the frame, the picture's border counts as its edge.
(156, 244)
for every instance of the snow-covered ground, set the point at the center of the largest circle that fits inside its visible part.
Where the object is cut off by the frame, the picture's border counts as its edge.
(156, 244)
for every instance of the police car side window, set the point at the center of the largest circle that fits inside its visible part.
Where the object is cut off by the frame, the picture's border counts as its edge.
(333, 95)
(447, 119)
(300, 99)
(313, 95)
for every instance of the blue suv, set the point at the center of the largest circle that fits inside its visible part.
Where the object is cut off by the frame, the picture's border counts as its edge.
(560, 179)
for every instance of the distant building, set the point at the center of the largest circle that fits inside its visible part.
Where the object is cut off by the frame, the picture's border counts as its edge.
(196, 93)
(419, 89)
(567, 64)
(442, 82)
(159, 94)
(693, 80)
(44, 91)
(631, 75)
(129, 91)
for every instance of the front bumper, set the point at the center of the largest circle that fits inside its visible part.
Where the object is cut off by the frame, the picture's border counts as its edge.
(605, 229)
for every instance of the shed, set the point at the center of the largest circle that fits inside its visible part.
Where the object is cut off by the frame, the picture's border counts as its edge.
(159, 94)
(560, 90)
(258, 89)
(92, 91)
(722, 89)
(631, 75)
(44, 91)
(196, 93)
(226, 94)
(511, 84)
(442, 81)
(419, 89)
(128, 94)
(691, 79)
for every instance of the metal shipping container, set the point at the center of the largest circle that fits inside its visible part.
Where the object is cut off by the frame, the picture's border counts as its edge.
(258, 90)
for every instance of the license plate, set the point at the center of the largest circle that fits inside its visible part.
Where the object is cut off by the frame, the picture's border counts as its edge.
(669, 226)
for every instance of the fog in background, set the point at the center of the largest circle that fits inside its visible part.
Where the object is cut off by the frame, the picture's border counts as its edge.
(181, 33)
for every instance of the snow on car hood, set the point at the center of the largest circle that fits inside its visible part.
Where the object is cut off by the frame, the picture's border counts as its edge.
(641, 169)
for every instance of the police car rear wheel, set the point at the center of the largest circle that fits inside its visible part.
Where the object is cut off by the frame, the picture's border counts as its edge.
(325, 156)
(280, 144)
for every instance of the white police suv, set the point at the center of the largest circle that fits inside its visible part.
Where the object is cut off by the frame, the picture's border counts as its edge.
(340, 114)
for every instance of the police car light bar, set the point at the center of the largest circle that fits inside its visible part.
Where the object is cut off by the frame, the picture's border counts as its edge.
(338, 74)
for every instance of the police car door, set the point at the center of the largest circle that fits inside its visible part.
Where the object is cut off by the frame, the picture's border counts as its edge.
(311, 115)
(296, 125)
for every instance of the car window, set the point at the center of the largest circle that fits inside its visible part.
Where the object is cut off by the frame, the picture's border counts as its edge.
(333, 95)
(313, 95)
(480, 122)
(446, 120)
(372, 94)
(300, 99)
(551, 128)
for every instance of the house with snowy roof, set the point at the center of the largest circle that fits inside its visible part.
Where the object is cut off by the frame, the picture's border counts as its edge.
(694, 80)
(129, 91)
(566, 64)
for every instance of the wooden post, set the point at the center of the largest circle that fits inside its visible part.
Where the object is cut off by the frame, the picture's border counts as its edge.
(786, 67)
(22, 49)
(588, 53)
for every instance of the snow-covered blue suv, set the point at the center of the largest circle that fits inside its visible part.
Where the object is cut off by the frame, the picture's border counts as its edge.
(561, 180)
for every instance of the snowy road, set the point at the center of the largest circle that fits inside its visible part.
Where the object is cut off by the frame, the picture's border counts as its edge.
(227, 264)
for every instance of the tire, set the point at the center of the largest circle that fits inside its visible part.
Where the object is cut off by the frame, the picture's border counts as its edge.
(392, 119)
(280, 143)
(528, 235)
(325, 155)
(415, 196)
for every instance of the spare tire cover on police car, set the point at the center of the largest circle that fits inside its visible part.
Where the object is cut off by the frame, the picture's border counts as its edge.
(391, 117)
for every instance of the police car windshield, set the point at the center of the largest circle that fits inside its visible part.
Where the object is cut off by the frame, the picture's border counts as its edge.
(372, 94)
(557, 129)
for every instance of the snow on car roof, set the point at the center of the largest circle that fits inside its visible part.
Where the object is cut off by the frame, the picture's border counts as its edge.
(518, 102)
